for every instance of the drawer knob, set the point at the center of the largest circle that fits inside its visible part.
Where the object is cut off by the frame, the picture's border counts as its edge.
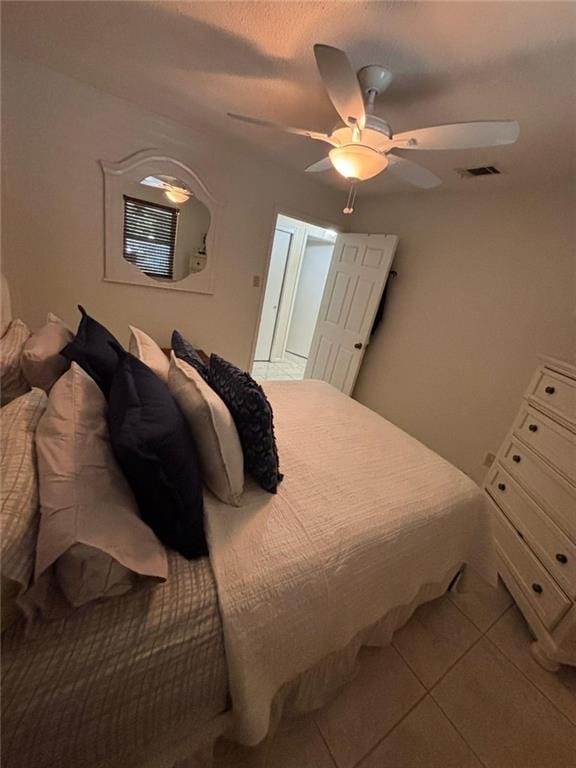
(537, 588)
(501, 487)
(561, 557)
(533, 427)
(516, 458)
(550, 390)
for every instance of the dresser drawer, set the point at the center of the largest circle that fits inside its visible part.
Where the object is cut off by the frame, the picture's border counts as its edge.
(546, 597)
(550, 490)
(550, 440)
(555, 549)
(555, 392)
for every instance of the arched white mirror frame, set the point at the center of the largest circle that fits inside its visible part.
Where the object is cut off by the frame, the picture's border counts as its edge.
(133, 169)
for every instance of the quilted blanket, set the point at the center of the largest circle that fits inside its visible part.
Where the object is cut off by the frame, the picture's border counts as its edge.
(365, 516)
(116, 679)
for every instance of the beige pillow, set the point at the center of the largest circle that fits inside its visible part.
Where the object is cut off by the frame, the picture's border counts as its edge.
(145, 349)
(213, 430)
(5, 307)
(12, 343)
(91, 537)
(18, 497)
(42, 365)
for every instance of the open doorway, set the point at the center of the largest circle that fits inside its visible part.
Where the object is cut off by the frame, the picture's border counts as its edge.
(299, 263)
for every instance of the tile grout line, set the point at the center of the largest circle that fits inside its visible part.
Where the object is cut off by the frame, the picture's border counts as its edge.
(458, 731)
(454, 663)
(483, 632)
(326, 745)
(532, 683)
(428, 691)
(389, 731)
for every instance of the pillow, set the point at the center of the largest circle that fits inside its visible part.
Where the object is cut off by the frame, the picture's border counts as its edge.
(12, 381)
(92, 350)
(185, 351)
(18, 497)
(213, 431)
(90, 532)
(155, 449)
(145, 349)
(5, 306)
(252, 415)
(42, 363)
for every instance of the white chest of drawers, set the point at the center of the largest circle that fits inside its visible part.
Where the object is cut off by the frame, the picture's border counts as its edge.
(531, 489)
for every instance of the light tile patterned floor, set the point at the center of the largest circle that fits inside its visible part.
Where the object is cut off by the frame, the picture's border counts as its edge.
(292, 368)
(457, 688)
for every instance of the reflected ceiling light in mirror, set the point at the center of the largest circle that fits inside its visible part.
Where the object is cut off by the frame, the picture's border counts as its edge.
(173, 189)
(177, 194)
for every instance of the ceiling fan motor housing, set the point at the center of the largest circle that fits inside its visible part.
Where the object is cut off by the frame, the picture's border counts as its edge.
(374, 78)
(376, 134)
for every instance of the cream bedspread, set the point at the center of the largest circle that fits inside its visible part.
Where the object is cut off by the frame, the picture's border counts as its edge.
(118, 681)
(365, 516)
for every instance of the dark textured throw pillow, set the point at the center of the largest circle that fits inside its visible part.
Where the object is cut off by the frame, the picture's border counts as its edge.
(252, 415)
(154, 447)
(185, 351)
(91, 349)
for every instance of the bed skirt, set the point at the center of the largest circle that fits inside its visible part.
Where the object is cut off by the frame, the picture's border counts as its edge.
(320, 684)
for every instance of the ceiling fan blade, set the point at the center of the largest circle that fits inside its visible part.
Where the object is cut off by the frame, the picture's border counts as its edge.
(412, 172)
(322, 165)
(278, 127)
(341, 84)
(462, 135)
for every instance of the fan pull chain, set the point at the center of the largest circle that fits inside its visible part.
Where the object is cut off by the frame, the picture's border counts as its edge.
(351, 199)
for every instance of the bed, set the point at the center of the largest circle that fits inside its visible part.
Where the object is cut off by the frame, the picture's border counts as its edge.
(367, 524)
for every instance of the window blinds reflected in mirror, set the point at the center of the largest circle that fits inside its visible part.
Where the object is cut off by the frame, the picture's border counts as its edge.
(150, 237)
(164, 228)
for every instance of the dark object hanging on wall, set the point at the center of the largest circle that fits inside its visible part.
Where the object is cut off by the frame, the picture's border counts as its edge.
(380, 311)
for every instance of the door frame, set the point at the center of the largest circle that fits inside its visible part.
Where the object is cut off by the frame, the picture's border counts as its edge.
(291, 214)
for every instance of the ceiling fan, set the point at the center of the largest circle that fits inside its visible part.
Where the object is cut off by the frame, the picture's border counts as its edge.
(364, 146)
(173, 188)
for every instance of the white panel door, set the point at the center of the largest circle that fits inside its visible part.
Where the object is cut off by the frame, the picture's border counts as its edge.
(356, 280)
(274, 282)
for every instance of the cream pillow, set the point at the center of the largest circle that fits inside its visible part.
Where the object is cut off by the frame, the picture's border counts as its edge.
(5, 306)
(213, 430)
(18, 497)
(145, 349)
(12, 380)
(91, 538)
(42, 363)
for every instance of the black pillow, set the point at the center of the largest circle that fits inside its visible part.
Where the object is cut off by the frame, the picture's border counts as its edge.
(252, 415)
(155, 449)
(91, 349)
(185, 351)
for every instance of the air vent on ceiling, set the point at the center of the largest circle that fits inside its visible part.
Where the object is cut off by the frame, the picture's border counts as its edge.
(482, 170)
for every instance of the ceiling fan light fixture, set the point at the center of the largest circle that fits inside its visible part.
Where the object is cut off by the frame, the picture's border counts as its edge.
(357, 162)
(177, 195)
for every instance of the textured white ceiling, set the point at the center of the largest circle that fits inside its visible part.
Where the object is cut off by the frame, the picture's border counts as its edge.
(453, 61)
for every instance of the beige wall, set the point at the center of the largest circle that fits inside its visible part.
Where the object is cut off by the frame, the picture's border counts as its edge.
(485, 283)
(55, 130)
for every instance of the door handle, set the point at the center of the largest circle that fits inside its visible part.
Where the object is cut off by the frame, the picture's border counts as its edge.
(358, 345)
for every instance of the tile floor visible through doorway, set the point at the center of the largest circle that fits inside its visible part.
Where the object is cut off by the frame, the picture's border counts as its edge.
(457, 688)
(289, 368)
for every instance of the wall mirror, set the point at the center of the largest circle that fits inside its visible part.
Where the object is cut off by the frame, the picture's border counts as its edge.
(160, 224)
